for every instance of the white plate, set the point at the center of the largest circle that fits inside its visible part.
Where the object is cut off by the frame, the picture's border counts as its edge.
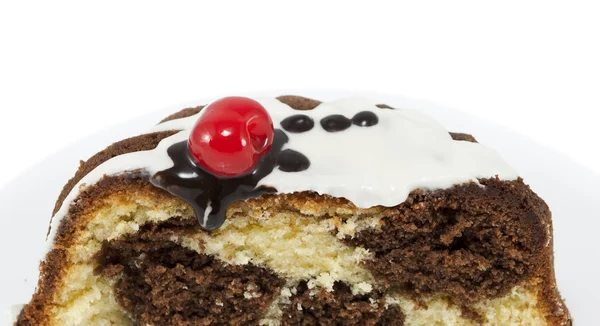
(570, 190)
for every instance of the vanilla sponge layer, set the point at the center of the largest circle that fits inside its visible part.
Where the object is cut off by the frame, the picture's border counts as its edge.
(297, 245)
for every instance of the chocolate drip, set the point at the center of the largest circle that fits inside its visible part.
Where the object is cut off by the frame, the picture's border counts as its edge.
(297, 123)
(335, 122)
(365, 119)
(292, 161)
(210, 195)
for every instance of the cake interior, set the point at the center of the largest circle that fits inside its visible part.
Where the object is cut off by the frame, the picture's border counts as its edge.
(142, 259)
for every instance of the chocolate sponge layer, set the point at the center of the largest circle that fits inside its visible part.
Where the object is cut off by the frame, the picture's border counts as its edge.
(339, 307)
(161, 283)
(468, 242)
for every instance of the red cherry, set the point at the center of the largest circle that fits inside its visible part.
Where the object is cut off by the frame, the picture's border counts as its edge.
(230, 136)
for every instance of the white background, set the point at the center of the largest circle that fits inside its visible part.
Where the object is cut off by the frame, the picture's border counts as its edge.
(69, 69)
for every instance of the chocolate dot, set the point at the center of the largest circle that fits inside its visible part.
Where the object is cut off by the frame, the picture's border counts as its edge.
(335, 122)
(365, 119)
(291, 161)
(297, 123)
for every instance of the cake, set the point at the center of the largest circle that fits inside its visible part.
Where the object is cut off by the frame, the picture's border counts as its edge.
(290, 211)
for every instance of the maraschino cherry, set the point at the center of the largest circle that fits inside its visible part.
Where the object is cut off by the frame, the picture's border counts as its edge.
(231, 136)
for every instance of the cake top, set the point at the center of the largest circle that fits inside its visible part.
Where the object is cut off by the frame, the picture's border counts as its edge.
(349, 148)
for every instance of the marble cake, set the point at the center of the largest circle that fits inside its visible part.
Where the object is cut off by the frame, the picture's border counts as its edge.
(340, 213)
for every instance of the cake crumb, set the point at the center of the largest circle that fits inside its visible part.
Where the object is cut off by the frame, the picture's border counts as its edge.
(362, 288)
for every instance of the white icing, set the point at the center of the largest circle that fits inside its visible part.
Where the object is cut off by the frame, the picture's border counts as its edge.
(377, 165)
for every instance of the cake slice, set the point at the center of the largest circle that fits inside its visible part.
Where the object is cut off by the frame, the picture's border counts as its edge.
(290, 211)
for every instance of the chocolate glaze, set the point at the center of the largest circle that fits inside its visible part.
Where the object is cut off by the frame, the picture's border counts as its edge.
(292, 161)
(210, 195)
(297, 123)
(335, 122)
(365, 119)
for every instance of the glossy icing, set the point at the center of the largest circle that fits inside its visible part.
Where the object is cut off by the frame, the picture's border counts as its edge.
(379, 165)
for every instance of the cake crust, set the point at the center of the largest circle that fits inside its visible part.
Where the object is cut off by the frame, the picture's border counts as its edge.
(531, 262)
